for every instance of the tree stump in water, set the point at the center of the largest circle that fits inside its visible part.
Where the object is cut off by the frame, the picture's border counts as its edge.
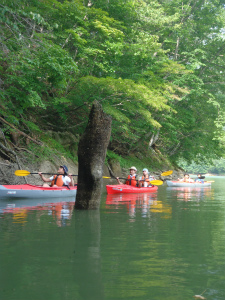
(91, 157)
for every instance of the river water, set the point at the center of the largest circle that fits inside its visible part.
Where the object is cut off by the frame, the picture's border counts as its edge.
(166, 245)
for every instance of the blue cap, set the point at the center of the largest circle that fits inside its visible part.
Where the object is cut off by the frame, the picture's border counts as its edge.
(145, 170)
(65, 169)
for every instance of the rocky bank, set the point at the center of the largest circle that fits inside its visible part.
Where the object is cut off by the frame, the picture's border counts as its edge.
(8, 168)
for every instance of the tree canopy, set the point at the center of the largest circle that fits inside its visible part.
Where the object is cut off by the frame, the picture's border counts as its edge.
(156, 66)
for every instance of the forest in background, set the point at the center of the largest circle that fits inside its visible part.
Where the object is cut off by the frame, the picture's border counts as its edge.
(216, 167)
(156, 66)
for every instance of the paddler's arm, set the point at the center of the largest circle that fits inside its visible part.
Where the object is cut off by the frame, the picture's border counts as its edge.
(72, 181)
(44, 178)
(118, 180)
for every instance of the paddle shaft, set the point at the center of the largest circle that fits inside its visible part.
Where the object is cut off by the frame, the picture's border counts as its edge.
(25, 173)
(49, 174)
(153, 182)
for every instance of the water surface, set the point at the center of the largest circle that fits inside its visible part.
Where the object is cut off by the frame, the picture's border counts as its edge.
(166, 245)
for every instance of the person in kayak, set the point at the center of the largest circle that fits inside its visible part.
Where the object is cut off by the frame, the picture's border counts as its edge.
(199, 179)
(62, 178)
(144, 181)
(186, 179)
(131, 179)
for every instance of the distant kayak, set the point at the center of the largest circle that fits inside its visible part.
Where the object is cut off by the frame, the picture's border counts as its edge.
(36, 191)
(124, 188)
(187, 184)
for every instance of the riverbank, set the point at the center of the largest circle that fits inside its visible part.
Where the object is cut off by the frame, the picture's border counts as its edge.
(112, 168)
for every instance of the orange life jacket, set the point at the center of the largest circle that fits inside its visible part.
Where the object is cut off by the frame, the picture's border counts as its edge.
(132, 182)
(145, 178)
(57, 180)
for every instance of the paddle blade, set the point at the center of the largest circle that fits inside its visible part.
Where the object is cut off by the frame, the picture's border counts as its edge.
(167, 173)
(21, 173)
(106, 177)
(156, 182)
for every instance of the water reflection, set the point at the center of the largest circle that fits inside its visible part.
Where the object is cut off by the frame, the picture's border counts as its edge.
(61, 211)
(146, 202)
(189, 193)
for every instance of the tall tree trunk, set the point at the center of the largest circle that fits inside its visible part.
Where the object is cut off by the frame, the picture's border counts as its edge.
(91, 157)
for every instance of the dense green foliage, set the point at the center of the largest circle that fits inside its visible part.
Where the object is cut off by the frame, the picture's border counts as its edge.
(155, 66)
(217, 166)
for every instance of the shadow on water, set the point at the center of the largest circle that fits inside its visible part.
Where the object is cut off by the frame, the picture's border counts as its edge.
(88, 268)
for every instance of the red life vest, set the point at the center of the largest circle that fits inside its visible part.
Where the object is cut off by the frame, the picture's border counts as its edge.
(57, 180)
(133, 180)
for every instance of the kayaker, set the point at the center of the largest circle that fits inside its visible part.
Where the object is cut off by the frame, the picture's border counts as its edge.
(131, 179)
(144, 181)
(62, 178)
(200, 178)
(186, 179)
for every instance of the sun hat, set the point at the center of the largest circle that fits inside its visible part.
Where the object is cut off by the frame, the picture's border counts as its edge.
(133, 168)
(65, 169)
(145, 170)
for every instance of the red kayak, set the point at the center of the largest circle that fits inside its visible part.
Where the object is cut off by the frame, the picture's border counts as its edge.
(36, 191)
(124, 188)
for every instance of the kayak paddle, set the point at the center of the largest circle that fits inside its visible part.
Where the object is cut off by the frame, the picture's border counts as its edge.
(167, 173)
(154, 182)
(25, 173)
(115, 178)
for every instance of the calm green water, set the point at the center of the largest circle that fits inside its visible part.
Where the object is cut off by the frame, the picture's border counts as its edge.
(167, 245)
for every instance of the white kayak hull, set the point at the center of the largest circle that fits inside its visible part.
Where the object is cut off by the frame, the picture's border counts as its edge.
(187, 184)
(32, 191)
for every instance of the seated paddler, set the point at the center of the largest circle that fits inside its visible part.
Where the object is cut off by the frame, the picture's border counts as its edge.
(144, 180)
(186, 179)
(131, 179)
(200, 179)
(62, 178)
